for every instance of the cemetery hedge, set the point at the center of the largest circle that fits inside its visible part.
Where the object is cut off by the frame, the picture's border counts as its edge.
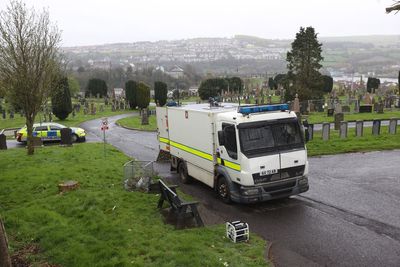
(368, 142)
(100, 224)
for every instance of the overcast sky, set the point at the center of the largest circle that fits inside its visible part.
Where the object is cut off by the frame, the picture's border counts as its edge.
(86, 22)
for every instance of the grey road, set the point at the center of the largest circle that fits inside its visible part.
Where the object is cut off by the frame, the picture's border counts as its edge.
(349, 217)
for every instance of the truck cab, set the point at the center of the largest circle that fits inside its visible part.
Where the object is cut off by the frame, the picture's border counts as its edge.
(260, 155)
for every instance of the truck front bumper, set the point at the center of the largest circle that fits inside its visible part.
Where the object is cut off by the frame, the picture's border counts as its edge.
(260, 193)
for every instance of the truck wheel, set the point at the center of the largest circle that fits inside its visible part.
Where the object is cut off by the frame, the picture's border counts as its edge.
(74, 138)
(223, 190)
(183, 173)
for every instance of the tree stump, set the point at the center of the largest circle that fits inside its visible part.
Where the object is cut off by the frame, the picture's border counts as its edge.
(68, 186)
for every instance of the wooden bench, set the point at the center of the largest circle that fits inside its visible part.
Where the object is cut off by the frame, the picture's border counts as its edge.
(179, 206)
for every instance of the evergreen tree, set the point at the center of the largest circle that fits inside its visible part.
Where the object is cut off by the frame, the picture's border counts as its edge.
(328, 83)
(303, 65)
(143, 95)
(212, 88)
(61, 100)
(131, 93)
(271, 84)
(97, 86)
(235, 84)
(160, 93)
(372, 84)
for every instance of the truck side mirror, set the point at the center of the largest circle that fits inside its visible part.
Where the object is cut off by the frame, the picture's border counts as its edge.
(221, 138)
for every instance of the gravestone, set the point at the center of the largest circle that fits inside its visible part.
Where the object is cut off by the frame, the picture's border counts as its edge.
(380, 108)
(66, 137)
(145, 117)
(346, 109)
(330, 112)
(359, 128)
(367, 99)
(343, 129)
(338, 108)
(296, 105)
(366, 109)
(4, 114)
(3, 142)
(310, 132)
(85, 111)
(376, 107)
(11, 114)
(357, 106)
(101, 108)
(392, 126)
(376, 127)
(338, 118)
(326, 127)
(92, 109)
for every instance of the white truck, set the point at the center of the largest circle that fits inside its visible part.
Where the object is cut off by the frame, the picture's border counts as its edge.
(246, 153)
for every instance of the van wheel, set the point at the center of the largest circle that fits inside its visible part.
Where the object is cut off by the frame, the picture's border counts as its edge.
(183, 173)
(223, 190)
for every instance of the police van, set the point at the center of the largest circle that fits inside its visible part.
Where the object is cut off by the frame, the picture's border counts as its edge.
(246, 153)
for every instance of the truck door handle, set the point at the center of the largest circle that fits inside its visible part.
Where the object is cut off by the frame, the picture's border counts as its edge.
(296, 161)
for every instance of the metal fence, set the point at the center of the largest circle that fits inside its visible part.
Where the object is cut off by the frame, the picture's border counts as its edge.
(138, 174)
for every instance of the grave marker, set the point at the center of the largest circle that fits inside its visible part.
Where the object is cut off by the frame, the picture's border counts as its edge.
(359, 128)
(376, 127)
(343, 129)
(392, 126)
(326, 127)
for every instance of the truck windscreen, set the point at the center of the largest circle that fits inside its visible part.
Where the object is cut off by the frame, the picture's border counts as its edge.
(256, 140)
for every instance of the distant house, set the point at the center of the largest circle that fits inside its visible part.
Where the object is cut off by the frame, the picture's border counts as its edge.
(118, 93)
(176, 72)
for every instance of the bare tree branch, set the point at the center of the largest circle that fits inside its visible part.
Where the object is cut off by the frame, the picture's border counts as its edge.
(394, 7)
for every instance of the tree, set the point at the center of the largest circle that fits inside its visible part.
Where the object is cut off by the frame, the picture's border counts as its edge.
(271, 84)
(143, 95)
(394, 7)
(96, 86)
(30, 59)
(160, 93)
(74, 86)
(303, 65)
(212, 88)
(328, 83)
(398, 82)
(235, 84)
(372, 84)
(61, 100)
(130, 92)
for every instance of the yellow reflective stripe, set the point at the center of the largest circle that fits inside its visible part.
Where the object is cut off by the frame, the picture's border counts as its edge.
(164, 140)
(193, 151)
(232, 165)
(229, 164)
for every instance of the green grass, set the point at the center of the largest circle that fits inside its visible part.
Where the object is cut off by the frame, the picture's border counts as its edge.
(100, 224)
(135, 122)
(19, 121)
(368, 142)
(319, 117)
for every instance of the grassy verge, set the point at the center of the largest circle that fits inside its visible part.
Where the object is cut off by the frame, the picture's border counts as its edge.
(19, 121)
(100, 224)
(136, 123)
(368, 142)
(319, 117)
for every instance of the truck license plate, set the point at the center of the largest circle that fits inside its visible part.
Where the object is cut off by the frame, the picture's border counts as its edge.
(268, 172)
